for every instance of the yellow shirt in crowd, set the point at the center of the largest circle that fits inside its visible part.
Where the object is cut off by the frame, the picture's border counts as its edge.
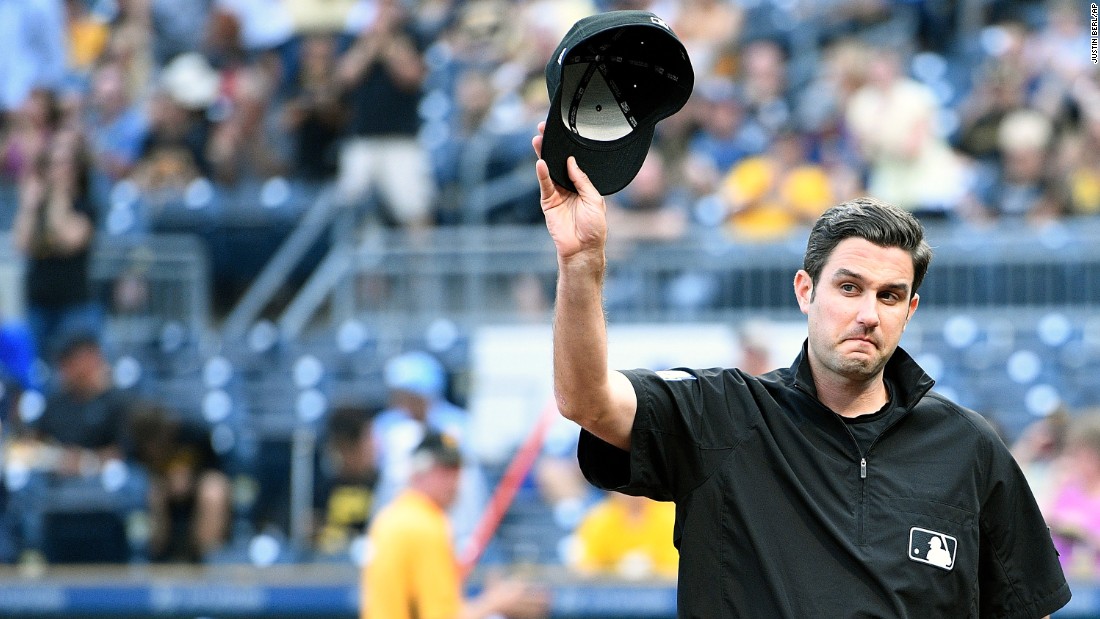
(628, 536)
(412, 571)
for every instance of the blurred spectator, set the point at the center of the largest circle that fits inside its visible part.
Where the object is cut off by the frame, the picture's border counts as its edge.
(820, 113)
(1059, 51)
(651, 207)
(763, 77)
(83, 423)
(88, 33)
(768, 196)
(626, 536)
(724, 135)
(1074, 513)
(480, 38)
(1039, 449)
(33, 49)
(708, 28)
(238, 31)
(131, 45)
(486, 144)
(189, 491)
(998, 92)
(1080, 168)
(344, 484)
(383, 73)
(1023, 185)
(55, 228)
(314, 115)
(116, 125)
(413, 571)
(174, 151)
(895, 122)
(244, 144)
(29, 130)
(417, 382)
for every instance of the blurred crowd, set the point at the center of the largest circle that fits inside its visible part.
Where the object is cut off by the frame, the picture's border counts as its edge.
(420, 114)
(968, 112)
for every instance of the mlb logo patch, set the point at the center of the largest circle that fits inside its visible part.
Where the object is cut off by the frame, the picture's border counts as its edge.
(932, 547)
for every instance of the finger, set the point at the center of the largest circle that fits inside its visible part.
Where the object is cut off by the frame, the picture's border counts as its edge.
(547, 188)
(536, 143)
(584, 185)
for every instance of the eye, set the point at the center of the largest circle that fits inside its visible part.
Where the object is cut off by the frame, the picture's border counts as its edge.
(849, 288)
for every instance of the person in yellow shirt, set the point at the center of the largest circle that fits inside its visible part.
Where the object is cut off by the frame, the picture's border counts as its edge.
(626, 536)
(770, 195)
(412, 571)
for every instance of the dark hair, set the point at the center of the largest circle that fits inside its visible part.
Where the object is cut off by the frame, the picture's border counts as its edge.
(347, 422)
(880, 223)
(76, 340)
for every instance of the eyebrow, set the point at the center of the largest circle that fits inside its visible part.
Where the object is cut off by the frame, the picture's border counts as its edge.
(901, 288)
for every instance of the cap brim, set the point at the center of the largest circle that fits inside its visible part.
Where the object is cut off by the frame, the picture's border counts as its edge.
(609, 165)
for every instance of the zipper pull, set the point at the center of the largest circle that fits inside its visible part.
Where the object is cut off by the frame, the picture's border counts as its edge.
(863, 468)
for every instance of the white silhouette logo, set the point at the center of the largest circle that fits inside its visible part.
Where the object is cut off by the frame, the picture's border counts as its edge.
(660, 22)
(932, 547)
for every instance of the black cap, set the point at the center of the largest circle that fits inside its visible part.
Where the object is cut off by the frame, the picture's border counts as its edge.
(441, 449)
(610, 80)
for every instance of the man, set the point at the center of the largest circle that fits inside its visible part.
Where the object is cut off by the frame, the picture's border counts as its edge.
(190, 494)
(382, 76)
(413, 571)
(345, 480)
(416, 382)
(812, 491)
(74, 504)
(85, 417)
(626, 536)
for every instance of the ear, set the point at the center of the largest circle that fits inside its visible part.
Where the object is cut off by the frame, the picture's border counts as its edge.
(803, 290)
(913, 303)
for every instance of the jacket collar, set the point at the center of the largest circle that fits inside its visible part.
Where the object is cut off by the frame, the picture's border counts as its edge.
(909, 381)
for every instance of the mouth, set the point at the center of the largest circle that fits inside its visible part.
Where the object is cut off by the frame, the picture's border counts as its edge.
(863, 340)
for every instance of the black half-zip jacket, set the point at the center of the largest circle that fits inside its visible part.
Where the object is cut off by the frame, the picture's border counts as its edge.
(779, 513)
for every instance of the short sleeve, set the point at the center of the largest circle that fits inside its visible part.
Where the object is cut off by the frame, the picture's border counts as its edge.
(687, 421)
(1019, 572)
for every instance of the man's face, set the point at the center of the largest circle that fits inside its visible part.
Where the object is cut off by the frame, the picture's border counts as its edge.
(443, 482)
(859, 309)
(81, 369)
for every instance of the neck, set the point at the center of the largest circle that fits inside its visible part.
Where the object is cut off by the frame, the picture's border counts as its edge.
(851, 398)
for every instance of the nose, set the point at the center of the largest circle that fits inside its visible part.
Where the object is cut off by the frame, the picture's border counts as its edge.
(868, 312)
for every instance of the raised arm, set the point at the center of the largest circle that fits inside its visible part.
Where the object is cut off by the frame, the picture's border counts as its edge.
(601, 400)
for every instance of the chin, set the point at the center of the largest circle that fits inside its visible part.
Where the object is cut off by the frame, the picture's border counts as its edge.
(860, 367)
